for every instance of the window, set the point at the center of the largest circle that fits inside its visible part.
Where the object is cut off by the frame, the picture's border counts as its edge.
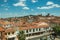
(26, 31)
(30, 30)
(33, 30)
(12, 32)
(36, 29)
(39, 29)
(5, 33)
(9, 33)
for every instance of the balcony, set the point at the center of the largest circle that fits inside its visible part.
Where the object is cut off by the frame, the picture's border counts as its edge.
(30, 36)
(10, 36)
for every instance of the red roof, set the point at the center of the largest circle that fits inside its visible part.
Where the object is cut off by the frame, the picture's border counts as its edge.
(1, 29)
(33, 26)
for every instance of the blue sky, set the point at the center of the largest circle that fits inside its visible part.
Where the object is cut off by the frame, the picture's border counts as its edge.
(16, 8)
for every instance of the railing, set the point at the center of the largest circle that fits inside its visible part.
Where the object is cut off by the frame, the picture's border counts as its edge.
(10, 36)
(38, 35)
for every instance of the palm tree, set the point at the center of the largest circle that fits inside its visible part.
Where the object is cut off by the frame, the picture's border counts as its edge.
(21, 35)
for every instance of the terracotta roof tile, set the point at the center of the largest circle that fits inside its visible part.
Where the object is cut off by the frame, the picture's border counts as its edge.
(10, 30)
(33, 26)
(1, 29)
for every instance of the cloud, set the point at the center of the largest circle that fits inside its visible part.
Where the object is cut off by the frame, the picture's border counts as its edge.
(47, 7)
(22, 0)
(56, 5)
(20, 3)
(26, 8)
(5, 0)
(34, 1)
(6, 9)
(51, 5)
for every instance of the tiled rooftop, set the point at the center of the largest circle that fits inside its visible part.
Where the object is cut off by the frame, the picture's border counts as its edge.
(23, 24)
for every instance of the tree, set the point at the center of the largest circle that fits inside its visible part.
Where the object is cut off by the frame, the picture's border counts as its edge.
(56, 29)
(48, 15)
(21, 35)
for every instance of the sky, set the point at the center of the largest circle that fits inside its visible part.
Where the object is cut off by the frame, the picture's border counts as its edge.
(18, 8)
